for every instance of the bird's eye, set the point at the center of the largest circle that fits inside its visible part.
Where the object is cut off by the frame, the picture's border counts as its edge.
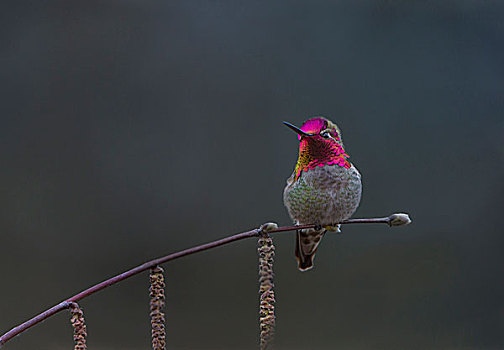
(325, 134)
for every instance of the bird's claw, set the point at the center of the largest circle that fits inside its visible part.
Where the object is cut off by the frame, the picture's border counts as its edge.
(333, 228)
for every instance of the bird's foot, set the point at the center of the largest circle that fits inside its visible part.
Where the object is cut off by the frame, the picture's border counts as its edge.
(333, 228)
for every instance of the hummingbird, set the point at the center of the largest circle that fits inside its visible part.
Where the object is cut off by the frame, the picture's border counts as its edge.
(324, 188)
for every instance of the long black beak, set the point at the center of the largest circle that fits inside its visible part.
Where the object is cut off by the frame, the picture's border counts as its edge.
(297, 130)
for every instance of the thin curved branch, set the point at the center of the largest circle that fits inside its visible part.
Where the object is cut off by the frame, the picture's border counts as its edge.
(392, 220)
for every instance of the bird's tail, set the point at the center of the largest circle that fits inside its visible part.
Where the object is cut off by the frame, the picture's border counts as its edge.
(307, 242)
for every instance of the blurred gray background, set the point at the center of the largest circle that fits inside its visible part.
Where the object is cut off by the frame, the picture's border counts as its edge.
(133, 129)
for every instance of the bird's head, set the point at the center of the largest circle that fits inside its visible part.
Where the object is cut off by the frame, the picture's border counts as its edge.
(318, 130)
(320, 144)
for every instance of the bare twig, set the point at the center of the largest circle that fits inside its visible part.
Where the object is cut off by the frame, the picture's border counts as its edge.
(393, 220)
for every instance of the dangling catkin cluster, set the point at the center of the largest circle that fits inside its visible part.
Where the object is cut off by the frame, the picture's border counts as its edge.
(79, 326)
(266, 251)
(157, 303)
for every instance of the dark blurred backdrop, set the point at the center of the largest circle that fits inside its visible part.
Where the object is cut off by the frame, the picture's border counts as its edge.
(132, 129)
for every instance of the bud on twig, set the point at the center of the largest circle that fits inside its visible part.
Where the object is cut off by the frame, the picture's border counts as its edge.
(79, 326)
(266, 251)
(399, 219)
(157, 303)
